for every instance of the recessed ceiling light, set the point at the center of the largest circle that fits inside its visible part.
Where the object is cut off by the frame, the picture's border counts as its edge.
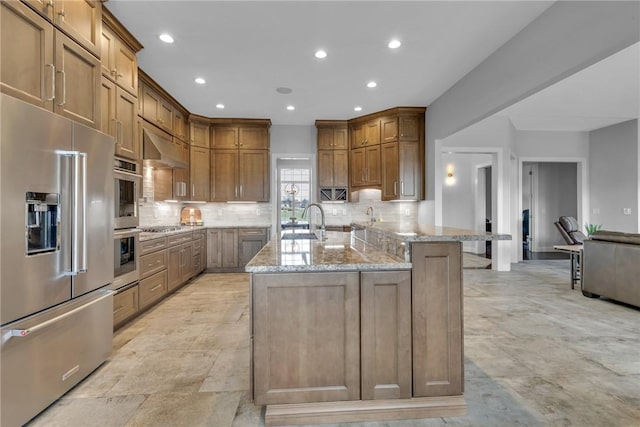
(372, 84)
(166, 38)
(200, 80)
(394, 44)
(220, 106)
(321, 54)
(290, 107)
(357, 109)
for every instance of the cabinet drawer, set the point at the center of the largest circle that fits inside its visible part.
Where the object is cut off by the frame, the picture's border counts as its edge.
(177, 239)
(152, 263)
(199, 234)
(253, 232)
(153, 288)
(197, 246)
(125, 305)
(153, 245)
(197, 264)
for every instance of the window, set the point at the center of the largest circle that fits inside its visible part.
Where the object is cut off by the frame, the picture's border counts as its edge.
(294, 189)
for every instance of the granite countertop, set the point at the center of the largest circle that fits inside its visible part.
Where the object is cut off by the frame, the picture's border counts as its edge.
(338, 252)
(413, 232)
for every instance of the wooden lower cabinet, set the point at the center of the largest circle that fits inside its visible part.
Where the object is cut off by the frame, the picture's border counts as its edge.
(385, 297)
(230, 249)
(125, 305)
(322, 363)
(153, 288)
(180, 265)
(250, 241)
(437, 319)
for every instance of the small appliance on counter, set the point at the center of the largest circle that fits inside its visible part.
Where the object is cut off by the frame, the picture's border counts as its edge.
(191, 216)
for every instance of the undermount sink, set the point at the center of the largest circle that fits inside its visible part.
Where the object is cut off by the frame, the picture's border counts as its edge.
(300, 236)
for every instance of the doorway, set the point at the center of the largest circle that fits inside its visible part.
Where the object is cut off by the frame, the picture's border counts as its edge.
(549, 190)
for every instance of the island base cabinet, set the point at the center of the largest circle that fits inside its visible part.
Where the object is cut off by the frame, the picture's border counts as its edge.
(437, 319)
(306, 343)
(386, 334)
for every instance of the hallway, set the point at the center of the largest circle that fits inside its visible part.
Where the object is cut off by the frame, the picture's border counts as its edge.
(536, 353)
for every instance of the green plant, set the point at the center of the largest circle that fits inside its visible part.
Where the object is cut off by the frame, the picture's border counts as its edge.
(592, 228)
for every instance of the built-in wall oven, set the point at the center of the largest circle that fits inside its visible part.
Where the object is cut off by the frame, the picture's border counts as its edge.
(127, 187)
(126, 247)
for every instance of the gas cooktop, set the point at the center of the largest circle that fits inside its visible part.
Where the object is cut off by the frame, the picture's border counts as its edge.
(161, 228)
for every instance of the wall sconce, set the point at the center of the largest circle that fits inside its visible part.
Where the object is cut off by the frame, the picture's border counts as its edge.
(450, 179)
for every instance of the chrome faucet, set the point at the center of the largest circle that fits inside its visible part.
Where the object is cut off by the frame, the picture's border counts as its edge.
(372, 217)
(321, 213)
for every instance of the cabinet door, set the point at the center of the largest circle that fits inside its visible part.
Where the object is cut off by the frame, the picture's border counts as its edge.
(165, 115)
(389, 129)
(174, 267)
(199, 134)
(126, 64)
(372, 132)
(108, 123)
(229, 248)
(325, 138)
(153, 288)
(214, 248)
(340, 139)
(437, 319)
(108, 47)
(390, 179)
(253, 138)
(224, 172)
(180, 126)
(186, 268)
(410, 128)
(26, 41)
(127, 142)
(341, 168)
(357, 163)
(373, 169)
(410, 171)
(323, 362)
(82, 20)
(250, 241)
(78, 75)
(199, 170)
(357, 136)
(253, 173)
(386, 334)
(224, 137)
(125, 305)
(149, 103)
(325, 168)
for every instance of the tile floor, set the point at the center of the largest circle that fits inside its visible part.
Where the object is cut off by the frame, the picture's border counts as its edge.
(536, 354)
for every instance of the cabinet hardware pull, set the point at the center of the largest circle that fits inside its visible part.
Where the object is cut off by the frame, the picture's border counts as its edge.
(119, 75)
(121, 128)
(113, 71)
(156, 287)
(402, 188)
(53, 82)
(114, 129)
(61, 14)
(395, 192)
(241, 192)
(49, 3)
(64, 88)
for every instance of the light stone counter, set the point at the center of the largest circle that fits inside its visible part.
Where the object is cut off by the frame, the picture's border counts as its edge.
(414, 232)
(338, 252)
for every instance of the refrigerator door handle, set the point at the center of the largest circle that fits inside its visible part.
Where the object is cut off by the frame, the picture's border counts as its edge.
(25, 332)
(83, 225)
(79, 227)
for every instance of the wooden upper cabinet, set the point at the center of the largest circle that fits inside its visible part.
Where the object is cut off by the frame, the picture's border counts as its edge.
(389, 129)
(390, 178)
(372, 132)
(180, 125)
(410, 127)
(253, 175)
(253, 138)
(224, 137)
(200, 134)
(155, 108)
(81, 20)
(119, 119)
(27, 69)
(77, 82)
(333, 138)
(356, 133)
(223, 175)
(199, 170)
(119, 62)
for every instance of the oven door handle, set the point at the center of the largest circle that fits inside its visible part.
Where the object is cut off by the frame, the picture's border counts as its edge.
(127, 174)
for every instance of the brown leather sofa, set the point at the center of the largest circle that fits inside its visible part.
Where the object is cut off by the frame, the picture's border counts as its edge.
(611, 266)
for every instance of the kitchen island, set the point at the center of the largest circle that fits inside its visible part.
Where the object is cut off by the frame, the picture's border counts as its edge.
(359, 326)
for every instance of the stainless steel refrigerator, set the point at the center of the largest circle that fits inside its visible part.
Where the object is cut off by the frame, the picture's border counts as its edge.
(56, 256)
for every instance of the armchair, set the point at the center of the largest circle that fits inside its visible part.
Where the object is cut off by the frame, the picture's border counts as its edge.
(570, 230)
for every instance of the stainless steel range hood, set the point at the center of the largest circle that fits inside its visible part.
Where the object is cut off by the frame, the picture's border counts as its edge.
(159, 151)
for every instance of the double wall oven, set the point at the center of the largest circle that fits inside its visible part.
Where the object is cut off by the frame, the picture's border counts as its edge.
(127, 186)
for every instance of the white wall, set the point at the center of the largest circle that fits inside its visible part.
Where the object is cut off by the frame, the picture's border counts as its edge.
(539, 144)
(567, 37)
(613, 179)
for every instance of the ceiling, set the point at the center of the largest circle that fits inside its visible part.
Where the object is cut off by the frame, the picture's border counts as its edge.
(245, 50)
(602, 95)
